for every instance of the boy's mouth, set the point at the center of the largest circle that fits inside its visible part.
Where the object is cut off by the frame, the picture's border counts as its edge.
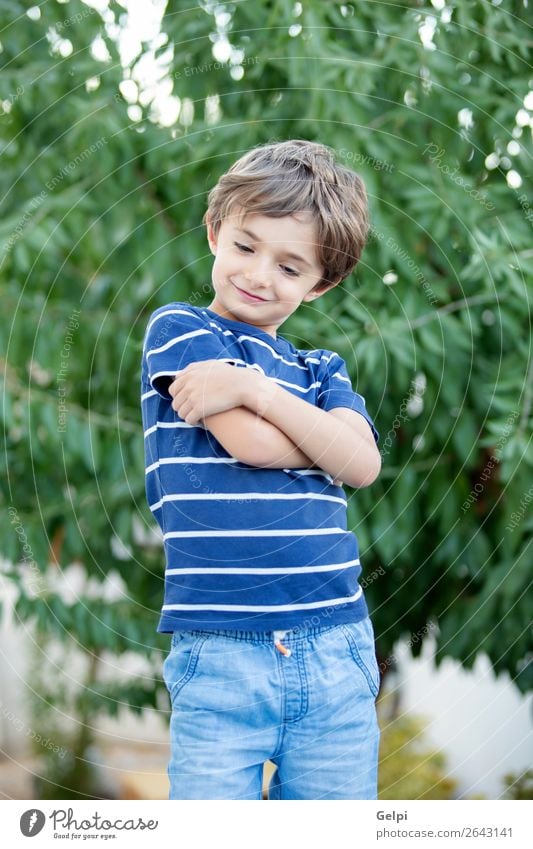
(249, 296)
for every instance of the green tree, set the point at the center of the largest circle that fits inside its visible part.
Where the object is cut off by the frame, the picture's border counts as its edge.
(102, 207)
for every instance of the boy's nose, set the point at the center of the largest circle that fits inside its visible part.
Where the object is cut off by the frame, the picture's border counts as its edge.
(259, 278)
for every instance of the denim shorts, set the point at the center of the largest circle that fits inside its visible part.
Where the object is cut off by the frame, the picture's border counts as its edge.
(237, 702)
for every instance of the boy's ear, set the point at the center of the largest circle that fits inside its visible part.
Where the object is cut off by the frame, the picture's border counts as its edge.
(318, 290)
(211, 236)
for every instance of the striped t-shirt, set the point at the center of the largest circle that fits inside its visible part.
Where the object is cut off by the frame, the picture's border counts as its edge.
(246, 547)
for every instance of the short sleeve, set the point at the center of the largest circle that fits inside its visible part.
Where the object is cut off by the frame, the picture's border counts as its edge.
(336, 389)
(175, 337)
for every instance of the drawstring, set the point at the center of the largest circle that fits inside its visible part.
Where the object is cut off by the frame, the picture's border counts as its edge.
(278, 636)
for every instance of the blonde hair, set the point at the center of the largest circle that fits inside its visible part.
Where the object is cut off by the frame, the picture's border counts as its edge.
(284, 178)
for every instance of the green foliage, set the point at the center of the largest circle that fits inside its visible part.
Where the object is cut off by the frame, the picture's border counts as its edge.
(67, 694)
(408, 769)
(101, 224)
(519, 786)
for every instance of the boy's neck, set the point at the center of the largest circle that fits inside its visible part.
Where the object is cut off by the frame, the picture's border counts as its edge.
(220, 310)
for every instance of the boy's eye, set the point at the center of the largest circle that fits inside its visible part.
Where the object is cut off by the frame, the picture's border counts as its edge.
(246, 249)
(291, 271)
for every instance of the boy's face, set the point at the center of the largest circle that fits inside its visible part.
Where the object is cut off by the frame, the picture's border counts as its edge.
(264, 268)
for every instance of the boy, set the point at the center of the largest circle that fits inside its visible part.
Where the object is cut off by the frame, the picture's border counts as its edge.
(248, 441)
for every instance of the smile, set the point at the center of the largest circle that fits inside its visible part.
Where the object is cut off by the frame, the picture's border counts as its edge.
(251, 298)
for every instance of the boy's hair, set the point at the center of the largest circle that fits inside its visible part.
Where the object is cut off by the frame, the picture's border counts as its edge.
(283, 178)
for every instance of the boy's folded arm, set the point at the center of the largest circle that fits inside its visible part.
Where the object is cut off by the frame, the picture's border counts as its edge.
(255, 441)
(209, 392)
(338, 441)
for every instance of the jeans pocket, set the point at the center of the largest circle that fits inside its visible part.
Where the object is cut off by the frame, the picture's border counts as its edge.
(182, 661)
(360, 638)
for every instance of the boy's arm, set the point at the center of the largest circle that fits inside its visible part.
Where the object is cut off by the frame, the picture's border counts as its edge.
(255, 441)
(340, 443)
(211, 392)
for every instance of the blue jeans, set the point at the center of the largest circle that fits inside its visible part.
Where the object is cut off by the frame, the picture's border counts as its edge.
(237, 702)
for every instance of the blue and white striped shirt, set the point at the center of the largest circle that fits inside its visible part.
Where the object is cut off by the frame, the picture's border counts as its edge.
(246, 547)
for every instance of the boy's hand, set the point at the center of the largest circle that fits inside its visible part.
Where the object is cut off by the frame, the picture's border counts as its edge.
(205, 388)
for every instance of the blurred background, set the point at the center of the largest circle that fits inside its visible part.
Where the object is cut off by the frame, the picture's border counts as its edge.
(116, 118)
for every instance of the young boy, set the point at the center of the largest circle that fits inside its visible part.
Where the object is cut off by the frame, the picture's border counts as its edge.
(248, 441)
